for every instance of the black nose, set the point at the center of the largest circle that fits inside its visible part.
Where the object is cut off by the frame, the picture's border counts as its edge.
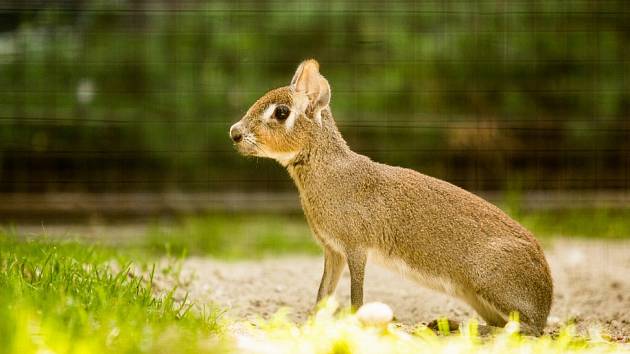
(236, 135)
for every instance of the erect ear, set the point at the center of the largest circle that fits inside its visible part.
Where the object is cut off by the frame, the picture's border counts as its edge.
(308, 80)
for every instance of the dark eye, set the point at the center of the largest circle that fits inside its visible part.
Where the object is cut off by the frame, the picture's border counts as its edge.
(281, 112)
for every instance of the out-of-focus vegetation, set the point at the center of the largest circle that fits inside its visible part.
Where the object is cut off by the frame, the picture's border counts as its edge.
(66, 298)
(345, 333)
(235, 236)
(591, 223)
(139, 95)
(239, 236)
(232, 236)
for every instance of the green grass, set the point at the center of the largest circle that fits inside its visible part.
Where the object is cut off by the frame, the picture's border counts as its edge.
(588, 223)
(234, 236)
(65, 298)
(237, 236)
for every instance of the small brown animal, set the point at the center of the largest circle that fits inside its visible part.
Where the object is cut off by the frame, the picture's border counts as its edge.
(434, 232)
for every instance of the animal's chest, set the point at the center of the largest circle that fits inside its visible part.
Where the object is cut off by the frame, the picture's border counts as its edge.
(326, 225)
(326, 239)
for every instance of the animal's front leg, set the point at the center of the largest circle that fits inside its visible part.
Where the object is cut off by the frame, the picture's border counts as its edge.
(356, 264)
(333, 266)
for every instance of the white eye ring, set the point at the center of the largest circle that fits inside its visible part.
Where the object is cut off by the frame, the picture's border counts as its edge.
(268, 112)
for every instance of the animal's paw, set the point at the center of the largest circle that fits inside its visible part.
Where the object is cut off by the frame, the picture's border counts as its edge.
(435, 325)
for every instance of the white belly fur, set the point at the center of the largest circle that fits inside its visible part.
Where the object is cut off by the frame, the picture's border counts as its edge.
(400, 266)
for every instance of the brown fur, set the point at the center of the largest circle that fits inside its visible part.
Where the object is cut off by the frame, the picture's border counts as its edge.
(439, 234)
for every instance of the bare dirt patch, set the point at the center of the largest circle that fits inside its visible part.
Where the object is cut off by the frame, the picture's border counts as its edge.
(591, 279)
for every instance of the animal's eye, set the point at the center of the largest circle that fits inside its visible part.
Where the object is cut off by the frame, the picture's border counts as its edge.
(282, 112)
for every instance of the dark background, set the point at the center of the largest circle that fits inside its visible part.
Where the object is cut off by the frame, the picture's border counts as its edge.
(138, 96)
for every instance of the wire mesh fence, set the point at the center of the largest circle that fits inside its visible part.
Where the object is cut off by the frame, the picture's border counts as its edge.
(128, 96)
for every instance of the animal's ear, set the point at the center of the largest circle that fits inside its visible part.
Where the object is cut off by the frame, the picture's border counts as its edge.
(308, 80)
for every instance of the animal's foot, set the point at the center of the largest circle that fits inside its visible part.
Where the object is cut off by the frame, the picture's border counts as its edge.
(435, 325)
(453, 326)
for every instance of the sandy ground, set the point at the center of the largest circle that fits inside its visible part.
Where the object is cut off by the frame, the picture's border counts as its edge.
(591, 279)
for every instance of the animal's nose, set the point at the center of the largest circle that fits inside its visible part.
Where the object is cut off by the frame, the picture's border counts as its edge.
(235, 133)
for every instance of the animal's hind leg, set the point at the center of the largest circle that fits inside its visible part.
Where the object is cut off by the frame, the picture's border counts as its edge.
(487, 310)
(497, 314)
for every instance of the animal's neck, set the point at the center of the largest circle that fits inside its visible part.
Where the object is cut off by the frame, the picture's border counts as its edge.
(320, 157)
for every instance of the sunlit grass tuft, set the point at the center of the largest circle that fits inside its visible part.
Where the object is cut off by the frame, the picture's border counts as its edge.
(65, 298)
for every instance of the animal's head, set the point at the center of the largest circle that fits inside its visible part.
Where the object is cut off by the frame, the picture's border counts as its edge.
(283, 121)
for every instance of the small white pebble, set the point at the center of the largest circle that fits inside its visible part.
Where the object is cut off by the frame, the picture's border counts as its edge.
(375, 314)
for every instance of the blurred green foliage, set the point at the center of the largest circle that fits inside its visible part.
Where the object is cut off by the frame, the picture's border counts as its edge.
(589, 223)
(239, 236)
(102, 95)
(232, 236)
